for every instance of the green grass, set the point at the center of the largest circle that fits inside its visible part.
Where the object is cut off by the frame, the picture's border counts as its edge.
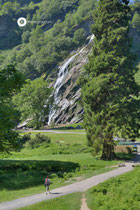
(67, 202)
(60, 144)
(120, 193)
(70, 130)
(26, 177)
(66, 158)
(70, 138)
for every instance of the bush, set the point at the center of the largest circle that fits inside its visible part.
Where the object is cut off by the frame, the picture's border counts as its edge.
(53, 169)
(53, 175)
(26, 137)
(38, 140)
(68, 175)
(60, 174)
(23, 139)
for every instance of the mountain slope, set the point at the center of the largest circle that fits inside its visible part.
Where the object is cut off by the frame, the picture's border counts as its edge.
(54, 30)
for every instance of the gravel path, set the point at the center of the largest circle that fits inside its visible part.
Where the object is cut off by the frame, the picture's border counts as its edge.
(81, 186)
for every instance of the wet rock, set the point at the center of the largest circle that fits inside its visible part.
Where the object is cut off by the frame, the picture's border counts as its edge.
(69, 109)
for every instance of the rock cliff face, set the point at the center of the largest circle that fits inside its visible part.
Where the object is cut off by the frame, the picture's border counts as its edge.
(68, 97)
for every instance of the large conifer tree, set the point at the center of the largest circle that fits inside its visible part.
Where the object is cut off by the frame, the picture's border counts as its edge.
(109, 90)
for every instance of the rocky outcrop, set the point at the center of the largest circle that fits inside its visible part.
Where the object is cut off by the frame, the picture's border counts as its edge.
(69, 108)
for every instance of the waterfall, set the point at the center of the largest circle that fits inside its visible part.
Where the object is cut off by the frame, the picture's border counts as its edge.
(63, 71)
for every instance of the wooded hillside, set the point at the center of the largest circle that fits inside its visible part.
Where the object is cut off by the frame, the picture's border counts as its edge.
(40, 46)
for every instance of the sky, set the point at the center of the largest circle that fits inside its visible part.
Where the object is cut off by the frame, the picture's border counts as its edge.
(131, 1)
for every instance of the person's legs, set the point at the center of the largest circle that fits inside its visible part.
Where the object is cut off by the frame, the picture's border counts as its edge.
(47, 189)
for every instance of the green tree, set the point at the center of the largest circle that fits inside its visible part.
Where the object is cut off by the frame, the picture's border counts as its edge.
(25, 37)
(10, 82)
(7, 8)
(109, 91)
(79, 36)
(136, 21)
(33, 101)
(36, 39)
(23, 54)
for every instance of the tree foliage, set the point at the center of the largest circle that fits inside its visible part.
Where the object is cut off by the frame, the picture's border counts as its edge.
(64, 21)
(49, 42)
(136, 21)
(109, 90)
(10, 82)
(33, 101)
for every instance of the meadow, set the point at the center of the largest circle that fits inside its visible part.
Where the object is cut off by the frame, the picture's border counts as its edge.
(65, 159)
(117, 193)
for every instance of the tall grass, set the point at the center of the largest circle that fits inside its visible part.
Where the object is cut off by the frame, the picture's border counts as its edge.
(121, 193)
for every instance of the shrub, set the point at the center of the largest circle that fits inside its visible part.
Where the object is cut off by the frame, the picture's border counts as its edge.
(26, 137)
(60, 174)
(38, 140)
(53, 175)
(23, 139)
(57, 167)
(68, 175)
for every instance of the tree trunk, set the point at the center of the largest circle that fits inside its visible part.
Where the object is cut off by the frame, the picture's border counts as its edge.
(108, 149)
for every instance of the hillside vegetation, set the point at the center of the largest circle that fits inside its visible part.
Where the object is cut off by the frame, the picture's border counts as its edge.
(55, 30)
(40, 46)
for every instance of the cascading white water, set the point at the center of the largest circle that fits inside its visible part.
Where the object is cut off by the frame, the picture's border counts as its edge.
(59, 82)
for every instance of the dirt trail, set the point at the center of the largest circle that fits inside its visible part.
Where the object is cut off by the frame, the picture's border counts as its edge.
(84, 204)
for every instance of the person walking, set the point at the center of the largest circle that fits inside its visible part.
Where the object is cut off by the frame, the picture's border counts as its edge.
(47, 185)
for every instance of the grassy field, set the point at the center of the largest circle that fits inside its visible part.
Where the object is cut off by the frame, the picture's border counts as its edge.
(119, 193)
(70, 138)
(69, 130)
(60, 144)
(64, 159)
(26, 177)
(67, 202)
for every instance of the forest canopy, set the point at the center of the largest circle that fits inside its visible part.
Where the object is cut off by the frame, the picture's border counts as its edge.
(39, 48)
